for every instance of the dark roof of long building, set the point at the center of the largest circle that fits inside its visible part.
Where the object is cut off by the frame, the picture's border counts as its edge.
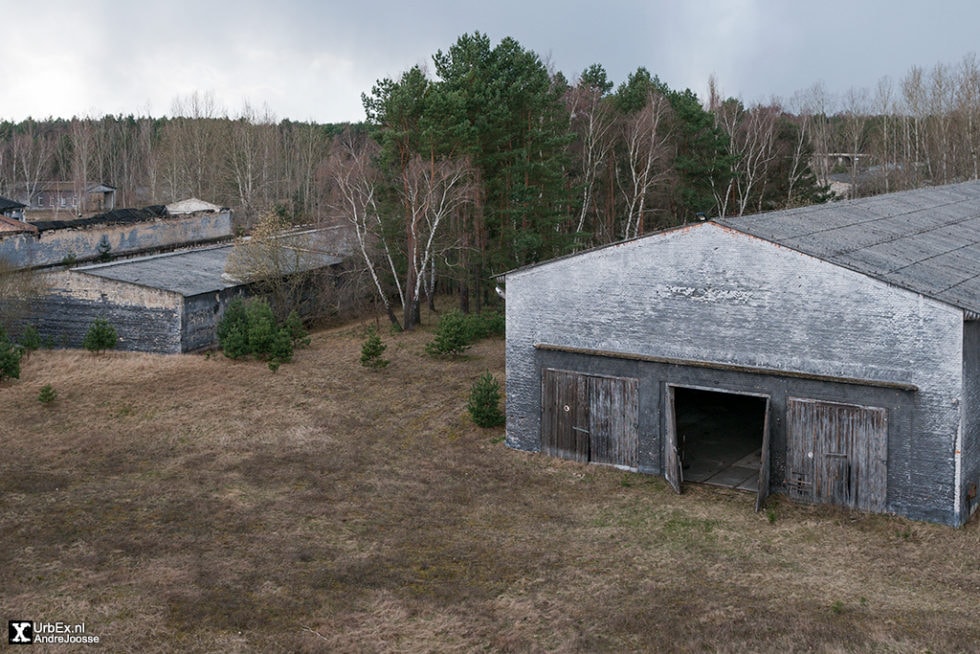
(7, 204)
(115, 217)
(925, 240)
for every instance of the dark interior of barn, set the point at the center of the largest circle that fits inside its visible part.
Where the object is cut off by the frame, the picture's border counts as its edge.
(719, 436)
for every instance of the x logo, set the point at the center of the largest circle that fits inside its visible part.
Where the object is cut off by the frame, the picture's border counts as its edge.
(20, 632)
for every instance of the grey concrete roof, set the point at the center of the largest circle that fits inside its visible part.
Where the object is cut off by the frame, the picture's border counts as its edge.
(925, 240)
(189, 272)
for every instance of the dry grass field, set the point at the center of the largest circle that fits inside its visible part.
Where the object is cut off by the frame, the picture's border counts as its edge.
(198, 504)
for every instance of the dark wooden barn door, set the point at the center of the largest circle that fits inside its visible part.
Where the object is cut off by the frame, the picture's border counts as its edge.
(590, 417)
(673, 472)
(837, 453)
(565, 415)
(763, 493)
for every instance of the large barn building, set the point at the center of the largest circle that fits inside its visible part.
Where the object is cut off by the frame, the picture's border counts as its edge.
(830, 353)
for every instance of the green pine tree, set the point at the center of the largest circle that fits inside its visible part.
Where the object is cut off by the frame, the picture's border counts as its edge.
(372, 350)
(484, 403)
(453, 335)
(101, 336)
(10, 355)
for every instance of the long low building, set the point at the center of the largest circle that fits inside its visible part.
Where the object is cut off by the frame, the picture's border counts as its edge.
(120, 232)
(829, 353)
(167, 303)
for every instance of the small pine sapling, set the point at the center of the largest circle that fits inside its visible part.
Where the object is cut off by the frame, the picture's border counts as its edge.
(10, 355)
(233, 330)
(101, 336)
(372, 349)
(296, 329)
(104, 249)
(262, 328)
(47, 395)
(453, 335)
(484, 404)
(30, 340)
(281, 347)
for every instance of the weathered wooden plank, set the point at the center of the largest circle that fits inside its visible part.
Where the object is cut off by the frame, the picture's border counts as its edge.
(614, 420)
(837, 453)
(672, 459)
(763, 491)
(565, 415)
(590, 417)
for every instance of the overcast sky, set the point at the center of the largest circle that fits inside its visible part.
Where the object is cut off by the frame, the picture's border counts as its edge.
(312, 59)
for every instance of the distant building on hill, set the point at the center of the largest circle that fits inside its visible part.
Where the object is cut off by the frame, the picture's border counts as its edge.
(78, 198)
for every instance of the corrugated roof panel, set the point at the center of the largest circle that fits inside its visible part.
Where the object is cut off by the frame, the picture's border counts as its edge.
(926, 240)
(874, 261)
(934, 275)
(963, 232)
(963, 294)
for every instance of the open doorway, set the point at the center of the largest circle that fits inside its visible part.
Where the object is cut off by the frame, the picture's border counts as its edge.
(721, 438)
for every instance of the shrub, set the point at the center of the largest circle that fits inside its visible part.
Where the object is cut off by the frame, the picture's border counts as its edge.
(47, 395)
(372, 349)
(261, 327)
(250, 329)
(453, 335)
(104, 249)
(486, 324)
(296, 329)
(101, 336)
(10, 355)
(281, 346)
(484, 404)
(30, 339)
(233, 330)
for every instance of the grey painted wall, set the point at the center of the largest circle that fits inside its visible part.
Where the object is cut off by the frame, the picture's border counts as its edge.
(970, 445)
(146, 320)
(63, 321)
(201, 315)
(51, 247)
(712, 294)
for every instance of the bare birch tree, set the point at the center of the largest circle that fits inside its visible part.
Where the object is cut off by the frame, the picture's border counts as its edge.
(646, 139)
(885, 155)
(968, 107)
(915, 97)
(941, 101)
(815, 103)
(855, 117)
(592, 119)
(436, 189)
(32, 151)
(356, 184)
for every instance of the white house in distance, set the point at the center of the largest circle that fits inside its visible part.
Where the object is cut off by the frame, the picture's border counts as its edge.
(830, 353)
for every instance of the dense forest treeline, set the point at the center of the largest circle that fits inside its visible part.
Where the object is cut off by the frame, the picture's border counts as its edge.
(490, 161)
